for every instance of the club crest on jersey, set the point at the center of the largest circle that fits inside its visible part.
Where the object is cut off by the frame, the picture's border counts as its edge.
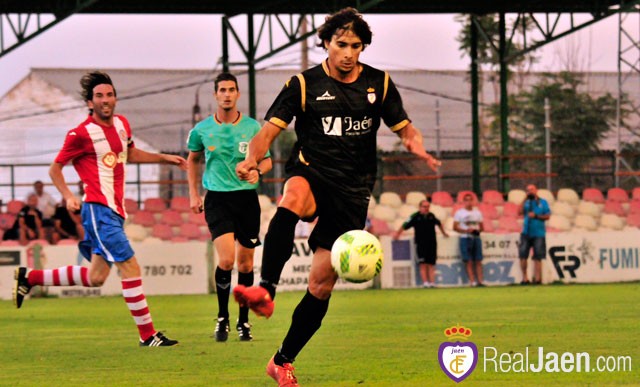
(371, 97)
(243, 146)
(123, 135)
(110, 160)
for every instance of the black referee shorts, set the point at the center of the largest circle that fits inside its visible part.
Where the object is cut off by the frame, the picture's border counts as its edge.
(337, 212)
(237, 212)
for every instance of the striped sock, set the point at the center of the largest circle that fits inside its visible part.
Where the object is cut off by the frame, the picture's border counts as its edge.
(62, 276)
(137, 304)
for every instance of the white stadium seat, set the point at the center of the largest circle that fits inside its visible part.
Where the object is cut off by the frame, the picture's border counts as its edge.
(385, 213)
(516, 196)
(568, 195)
(589, 208)
(546, 195)
(612, 221)
(390, 199)
(135, 232)
(563, 208)
(585, 222)
(265, 202)
(414, 198)
(372, 203)
(559, 222)
(405, 211)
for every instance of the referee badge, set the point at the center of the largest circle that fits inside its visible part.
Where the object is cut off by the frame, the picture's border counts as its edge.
(372, 95)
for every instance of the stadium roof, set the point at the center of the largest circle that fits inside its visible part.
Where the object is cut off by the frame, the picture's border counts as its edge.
(311, 6)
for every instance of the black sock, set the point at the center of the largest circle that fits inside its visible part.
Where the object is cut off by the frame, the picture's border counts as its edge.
(245, 279)
(223, 285)
(278, 246)
(306, 320)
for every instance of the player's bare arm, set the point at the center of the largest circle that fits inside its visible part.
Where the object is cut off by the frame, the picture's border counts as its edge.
(136, 155)
(258, 147)
(193, 173)
(412, 140)
(55, 172)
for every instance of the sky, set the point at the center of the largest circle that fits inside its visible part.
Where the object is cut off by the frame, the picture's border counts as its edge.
(194, 42)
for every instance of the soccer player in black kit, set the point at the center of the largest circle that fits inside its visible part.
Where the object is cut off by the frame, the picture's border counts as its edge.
(338, 107)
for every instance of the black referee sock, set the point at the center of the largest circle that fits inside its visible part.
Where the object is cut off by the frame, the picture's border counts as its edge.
(306, 320)
(278, 246)
(223, 286)
(245, 279)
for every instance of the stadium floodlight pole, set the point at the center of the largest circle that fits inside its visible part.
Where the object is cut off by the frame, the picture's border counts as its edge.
(438, 152)
(547, 139)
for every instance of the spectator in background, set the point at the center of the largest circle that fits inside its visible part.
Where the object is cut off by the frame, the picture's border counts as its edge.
(66, 224)
(468, 222)
(536, 211)
(46, 203)
(424, 224)
(28, 224)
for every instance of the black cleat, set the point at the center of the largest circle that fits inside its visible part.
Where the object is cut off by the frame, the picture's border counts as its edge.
(158, 340)
(222, 329)
(244, 331)
(21, 286)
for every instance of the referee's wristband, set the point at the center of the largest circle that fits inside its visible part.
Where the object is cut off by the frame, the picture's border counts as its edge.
(259, 171)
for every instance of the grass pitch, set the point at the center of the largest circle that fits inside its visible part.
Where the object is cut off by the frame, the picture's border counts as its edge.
(369, 338)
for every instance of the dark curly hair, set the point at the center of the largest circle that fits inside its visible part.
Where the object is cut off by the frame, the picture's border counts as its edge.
(347, 19)
(92, 79)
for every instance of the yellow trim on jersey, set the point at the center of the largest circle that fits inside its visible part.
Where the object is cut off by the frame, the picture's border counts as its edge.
(301, 158)
(278, 122)
(325, 67)
(399, 125)
(303, 91)
(386, 85)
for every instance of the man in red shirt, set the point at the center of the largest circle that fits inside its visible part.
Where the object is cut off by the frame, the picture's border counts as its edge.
(99, 149)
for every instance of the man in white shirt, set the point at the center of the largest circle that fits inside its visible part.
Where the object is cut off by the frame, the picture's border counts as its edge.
(46, 203)
(468, 222)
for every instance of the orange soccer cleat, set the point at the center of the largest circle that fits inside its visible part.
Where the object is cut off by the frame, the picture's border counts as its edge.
(282, 374)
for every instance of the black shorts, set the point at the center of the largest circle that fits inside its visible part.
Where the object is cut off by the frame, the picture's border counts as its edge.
(237, 212)
(337, 212)
(426, 253)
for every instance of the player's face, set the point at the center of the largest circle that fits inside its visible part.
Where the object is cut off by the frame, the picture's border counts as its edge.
(344, 50)
(103, 102)
(424, 208)
(227, 95)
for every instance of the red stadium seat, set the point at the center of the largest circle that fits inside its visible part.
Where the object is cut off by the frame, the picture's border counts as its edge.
(462, 194)
(511, 210)
(635, 193)
(380, 227)
(614, 208)
(14, 206)
(190, 231)
(144, 218)
(131, 206)
(593, 195)
(633, 220)
(196, 219)
(508, 225)
(488, 225)
(617, 195)
(634, 206)
(162, 231)
(7, 221)
(493, 197)
(171, 217)
(442, 198)
(180, 204)
(155, 205)
(488, 211)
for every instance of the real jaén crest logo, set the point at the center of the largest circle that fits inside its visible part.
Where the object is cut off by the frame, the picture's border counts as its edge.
(458, 360)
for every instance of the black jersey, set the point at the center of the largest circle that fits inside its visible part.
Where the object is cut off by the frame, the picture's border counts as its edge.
(424, 227)
(336, 123)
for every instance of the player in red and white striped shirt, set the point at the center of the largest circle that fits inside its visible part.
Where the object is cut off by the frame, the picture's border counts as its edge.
(99, 149)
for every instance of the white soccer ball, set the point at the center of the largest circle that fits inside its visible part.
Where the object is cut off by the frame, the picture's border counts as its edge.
(357, 256)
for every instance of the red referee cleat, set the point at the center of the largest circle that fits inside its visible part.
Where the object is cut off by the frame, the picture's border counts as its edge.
(256, 298)
(282, 374)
